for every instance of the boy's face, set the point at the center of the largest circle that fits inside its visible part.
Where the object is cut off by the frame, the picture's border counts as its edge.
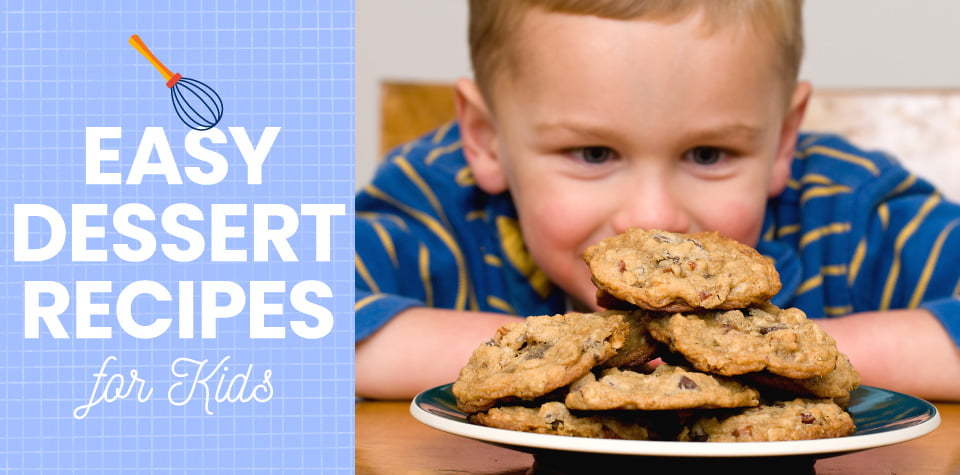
(611, 124)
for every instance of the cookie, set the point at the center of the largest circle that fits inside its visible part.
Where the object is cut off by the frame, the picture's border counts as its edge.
(835, 384)
(674, 272)
(531, 358)
(799, 419)
(667, 387)
(733, 342)
(639, 348)
(554, 418)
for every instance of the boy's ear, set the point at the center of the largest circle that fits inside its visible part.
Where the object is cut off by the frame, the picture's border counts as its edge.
(788, 138)
(479, 135)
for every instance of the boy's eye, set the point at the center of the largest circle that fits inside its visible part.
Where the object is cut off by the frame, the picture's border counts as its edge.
(594, 154)
(705, 155)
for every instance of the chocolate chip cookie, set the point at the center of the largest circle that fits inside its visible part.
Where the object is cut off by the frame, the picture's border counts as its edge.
(664, 271)
(554, 418)
(835, 384)
(639, 347)
(798, 419)
(529, 359)
(733, 342)
(667, 387)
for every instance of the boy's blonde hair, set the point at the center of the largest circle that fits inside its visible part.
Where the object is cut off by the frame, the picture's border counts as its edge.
(493, 22)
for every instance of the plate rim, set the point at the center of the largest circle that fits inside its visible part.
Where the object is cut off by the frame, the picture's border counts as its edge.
(549, 442)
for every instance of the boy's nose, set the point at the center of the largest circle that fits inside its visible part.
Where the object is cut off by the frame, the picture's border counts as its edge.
(652, 206)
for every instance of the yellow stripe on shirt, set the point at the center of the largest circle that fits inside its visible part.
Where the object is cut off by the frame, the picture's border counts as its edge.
(816, 178)
(810, 178)
(905, 184)
(425, 275)
(817, 280)
(788, 230)
(367, 301)
(930, 265)
(822, 191)
(823, 231)
(365, 274)
(492, 260)
(437, 152)
(441, 132)
(386, 241)
(847, 157)
(857, 261)
(883, 211)
(905, 234)
(838, 311)
(415, 177)
(517, 254)
(810, 284)
(834, 270)
(442, 234)
(371, 216)
(465, 177)
(500, 304)
(770, 234)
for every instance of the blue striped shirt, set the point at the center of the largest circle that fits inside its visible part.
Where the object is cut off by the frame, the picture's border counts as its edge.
(854, 231)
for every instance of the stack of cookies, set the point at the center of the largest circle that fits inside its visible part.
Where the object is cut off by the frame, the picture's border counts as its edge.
(732, 366)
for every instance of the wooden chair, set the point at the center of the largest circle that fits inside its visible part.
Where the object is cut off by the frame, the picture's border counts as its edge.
(409, 110)
(921, 128)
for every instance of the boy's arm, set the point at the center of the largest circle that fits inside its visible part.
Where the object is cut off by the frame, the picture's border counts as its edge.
(901, 350)
(900, 249)
(404, 356)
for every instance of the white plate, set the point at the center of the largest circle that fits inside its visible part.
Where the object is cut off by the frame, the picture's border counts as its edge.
(882, 418)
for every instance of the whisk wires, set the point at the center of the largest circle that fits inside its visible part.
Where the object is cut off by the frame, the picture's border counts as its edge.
(197, 105)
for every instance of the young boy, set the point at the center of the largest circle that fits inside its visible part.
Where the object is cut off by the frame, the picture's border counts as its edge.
(590, 117)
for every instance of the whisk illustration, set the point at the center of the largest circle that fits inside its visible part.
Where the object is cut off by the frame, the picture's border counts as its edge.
(196, 103)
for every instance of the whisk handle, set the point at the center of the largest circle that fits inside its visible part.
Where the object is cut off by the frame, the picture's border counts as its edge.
(139, 45)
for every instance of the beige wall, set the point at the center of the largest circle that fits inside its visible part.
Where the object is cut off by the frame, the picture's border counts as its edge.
(887, 44)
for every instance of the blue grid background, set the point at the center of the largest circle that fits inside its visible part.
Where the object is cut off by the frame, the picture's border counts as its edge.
(65, 66)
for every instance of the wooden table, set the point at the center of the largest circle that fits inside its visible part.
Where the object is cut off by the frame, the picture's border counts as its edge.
(390, 441)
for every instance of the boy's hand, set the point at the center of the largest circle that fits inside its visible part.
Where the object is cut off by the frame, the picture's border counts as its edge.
(421, 348)
(901, 350)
